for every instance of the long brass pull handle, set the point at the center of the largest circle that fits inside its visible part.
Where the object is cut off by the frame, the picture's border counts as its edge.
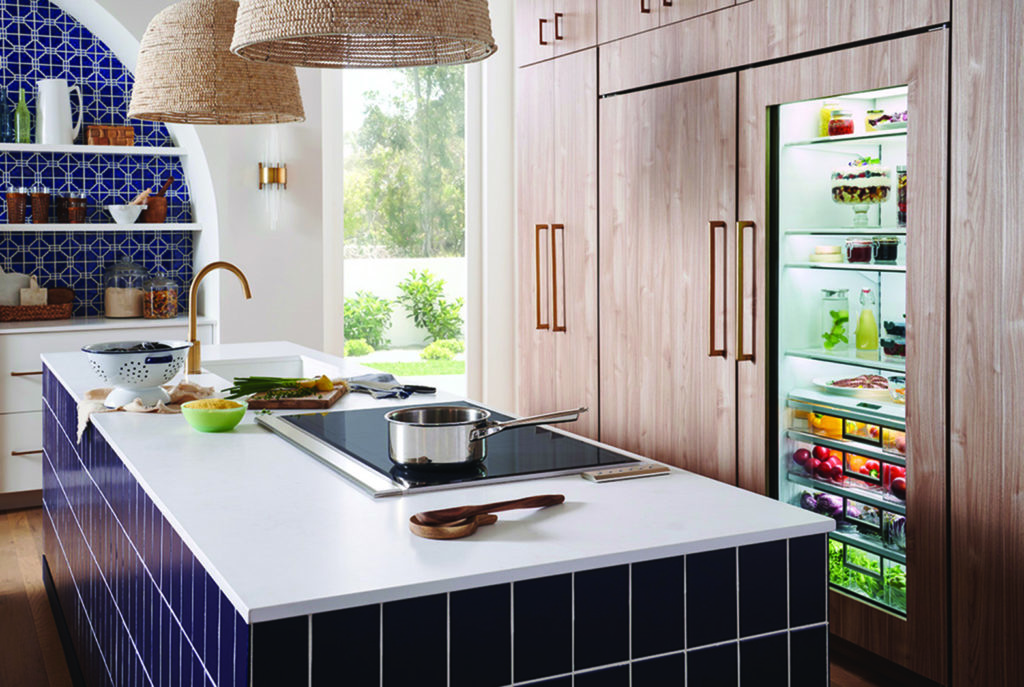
(540, 299)
(645, 7)
(667, 3)
(26, 453)
(558, 26)
(27, 374)
(540, 30)
(713, 305)
(555, 253)
(740, 315)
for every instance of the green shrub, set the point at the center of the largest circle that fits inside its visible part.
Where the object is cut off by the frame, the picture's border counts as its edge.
(436, 351)
(454, 345)
(423, 296)
(367, 317)
(357, 347)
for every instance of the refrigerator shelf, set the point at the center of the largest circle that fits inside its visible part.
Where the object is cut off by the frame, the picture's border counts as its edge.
(847, 447)
(849, 357)
(855, 494)
(847, 231)
(888, 415)
(855, 267)
(869, 544)
(843, 143)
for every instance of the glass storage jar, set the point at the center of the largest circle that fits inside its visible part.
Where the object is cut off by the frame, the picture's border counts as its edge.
(859, 250)
(841, 123)
(123, 288)
(835, 319)
(160, 296)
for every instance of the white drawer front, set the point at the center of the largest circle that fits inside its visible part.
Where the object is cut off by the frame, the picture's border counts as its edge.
(19, 354)
(21, 433)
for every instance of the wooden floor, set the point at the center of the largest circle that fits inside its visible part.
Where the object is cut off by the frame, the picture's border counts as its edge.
(30, 650)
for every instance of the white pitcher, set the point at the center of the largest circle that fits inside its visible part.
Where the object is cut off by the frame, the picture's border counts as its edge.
(53, 112)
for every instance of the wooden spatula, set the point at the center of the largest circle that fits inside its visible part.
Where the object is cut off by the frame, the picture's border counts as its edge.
(452, 530)
(446, 516)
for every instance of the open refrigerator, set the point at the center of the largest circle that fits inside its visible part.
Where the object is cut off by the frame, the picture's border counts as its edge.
(838, 176)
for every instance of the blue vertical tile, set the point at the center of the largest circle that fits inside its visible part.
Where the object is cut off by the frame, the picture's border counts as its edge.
(764, 661)
(808, 657)
(663, 671)
(710, 597)
(658, 613)
(211, 619)
(226, 654)
(280, 652)
(601, 617)
(763, 588)
(243, 642)
(542, 642)
(424, 662)
(346, 643)
(808, 580)
(480, 638)
(714, 666)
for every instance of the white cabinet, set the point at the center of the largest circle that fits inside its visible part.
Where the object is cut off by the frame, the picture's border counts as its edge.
(21, 385)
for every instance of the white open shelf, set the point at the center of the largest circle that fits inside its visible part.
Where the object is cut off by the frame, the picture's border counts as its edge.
(92, 150)
(169, 226)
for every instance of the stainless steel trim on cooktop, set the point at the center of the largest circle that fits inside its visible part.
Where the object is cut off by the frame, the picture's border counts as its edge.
(339, 461)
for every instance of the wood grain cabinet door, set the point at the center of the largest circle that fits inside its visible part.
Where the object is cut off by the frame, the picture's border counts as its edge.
(677, 10)
(619, 18)
(921, 64)
(535, 31)
(575, 25)
(557, 238)
(667, 174)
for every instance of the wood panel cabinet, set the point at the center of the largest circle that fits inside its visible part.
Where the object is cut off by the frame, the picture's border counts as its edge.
(620, 18)
(557, 238)
(920, 62)
(548, 28)
(667, 213)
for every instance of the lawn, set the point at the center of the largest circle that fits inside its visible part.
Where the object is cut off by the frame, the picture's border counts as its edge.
(421, 368)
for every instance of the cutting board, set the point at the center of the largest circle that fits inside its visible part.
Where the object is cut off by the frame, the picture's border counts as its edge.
(314, 401)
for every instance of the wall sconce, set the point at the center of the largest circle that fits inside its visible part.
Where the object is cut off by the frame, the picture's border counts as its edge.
(273, 179)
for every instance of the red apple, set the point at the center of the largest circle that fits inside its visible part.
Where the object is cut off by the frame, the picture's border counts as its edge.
(821, 453)
(824, 470)
(801, 456)
(899, 488)
(811, 466)
(837, 472)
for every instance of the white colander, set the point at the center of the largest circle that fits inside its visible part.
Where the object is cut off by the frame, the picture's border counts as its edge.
(139, 374)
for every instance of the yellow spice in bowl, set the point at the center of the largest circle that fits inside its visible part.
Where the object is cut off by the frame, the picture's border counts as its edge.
(213, 404)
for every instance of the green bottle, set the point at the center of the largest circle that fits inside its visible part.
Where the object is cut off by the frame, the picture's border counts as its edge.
(22, 120)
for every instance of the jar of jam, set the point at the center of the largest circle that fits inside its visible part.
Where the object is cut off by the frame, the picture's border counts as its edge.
(858, 250)
(17, 201)
(886, 249)
(841, 123)
(826, 117)
(901, 195)
(160, 296)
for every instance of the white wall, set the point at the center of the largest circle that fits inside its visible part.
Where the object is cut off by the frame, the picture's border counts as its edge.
(284, 267)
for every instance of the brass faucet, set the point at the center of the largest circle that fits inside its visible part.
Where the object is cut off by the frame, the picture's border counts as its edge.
(194, 357)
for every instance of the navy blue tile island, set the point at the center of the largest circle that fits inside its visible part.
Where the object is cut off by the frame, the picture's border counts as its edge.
(141, 609)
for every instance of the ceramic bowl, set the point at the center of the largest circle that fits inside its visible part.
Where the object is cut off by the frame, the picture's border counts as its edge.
(214, 420)
(125, 214)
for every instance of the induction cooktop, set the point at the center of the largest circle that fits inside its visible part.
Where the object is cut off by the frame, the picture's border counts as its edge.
(355, 444)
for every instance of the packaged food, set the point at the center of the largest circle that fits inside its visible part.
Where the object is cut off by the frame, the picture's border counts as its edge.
(123, 292)
(841, 123)
(160, 297)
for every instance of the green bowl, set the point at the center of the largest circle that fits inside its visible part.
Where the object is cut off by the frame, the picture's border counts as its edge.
(214, 420)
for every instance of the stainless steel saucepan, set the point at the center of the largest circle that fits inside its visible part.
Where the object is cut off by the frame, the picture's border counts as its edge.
(452, 436)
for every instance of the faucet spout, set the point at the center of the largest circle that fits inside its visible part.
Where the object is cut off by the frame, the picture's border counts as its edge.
(194, 355)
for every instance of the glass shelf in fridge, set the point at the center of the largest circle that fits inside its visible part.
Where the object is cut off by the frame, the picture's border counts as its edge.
(853, 267)
(856, 358)
(847, 231)
(832, 142)
(857, 495)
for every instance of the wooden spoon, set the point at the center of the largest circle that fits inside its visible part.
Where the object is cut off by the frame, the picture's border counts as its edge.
(446, 516)
(452, 530)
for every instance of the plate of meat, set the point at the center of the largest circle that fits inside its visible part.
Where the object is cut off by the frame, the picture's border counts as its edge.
(874, 387)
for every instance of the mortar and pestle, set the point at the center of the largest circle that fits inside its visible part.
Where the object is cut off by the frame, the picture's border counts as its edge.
(156, 204)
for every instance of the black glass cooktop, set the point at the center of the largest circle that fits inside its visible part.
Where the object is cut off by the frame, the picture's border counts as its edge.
(513, 454)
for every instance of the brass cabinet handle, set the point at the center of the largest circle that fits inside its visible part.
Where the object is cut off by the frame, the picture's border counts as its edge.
(712, 351)
(27, 374)
(645, 7)
(555, 326)
(666, 3)
(540, 30)
(740, 315)
(26, 453)
(540, 307)
(558, 26)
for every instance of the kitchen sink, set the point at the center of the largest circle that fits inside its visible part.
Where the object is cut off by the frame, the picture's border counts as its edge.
(285, 366)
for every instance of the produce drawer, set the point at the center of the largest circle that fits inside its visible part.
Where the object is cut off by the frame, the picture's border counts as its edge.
(21, 391)
(21, 433)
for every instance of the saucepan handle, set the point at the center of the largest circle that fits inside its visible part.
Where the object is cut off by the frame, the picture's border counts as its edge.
(493, 428)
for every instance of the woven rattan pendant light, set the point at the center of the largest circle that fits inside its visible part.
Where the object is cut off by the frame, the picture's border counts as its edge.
(363, 33)
(187, 73)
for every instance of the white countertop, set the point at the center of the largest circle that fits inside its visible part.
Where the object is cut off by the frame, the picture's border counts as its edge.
(284, 535)
(76, 324)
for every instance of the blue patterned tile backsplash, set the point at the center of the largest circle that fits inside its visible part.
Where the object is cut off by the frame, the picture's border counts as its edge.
(39, 41)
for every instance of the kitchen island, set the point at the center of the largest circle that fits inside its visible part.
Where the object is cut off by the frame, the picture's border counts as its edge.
(176, 557)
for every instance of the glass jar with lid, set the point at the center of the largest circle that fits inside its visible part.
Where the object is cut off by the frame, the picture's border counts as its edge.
(835, 319)
(123, 288)
(841, 123)
(160, 296)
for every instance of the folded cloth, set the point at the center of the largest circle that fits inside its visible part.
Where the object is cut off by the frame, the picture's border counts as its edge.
(384, 385)
(182, 392)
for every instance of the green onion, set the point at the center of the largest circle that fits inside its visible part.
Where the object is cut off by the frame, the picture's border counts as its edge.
(246, 386)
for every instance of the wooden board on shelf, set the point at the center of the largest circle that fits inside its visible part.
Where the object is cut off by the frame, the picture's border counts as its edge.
(315, 401)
